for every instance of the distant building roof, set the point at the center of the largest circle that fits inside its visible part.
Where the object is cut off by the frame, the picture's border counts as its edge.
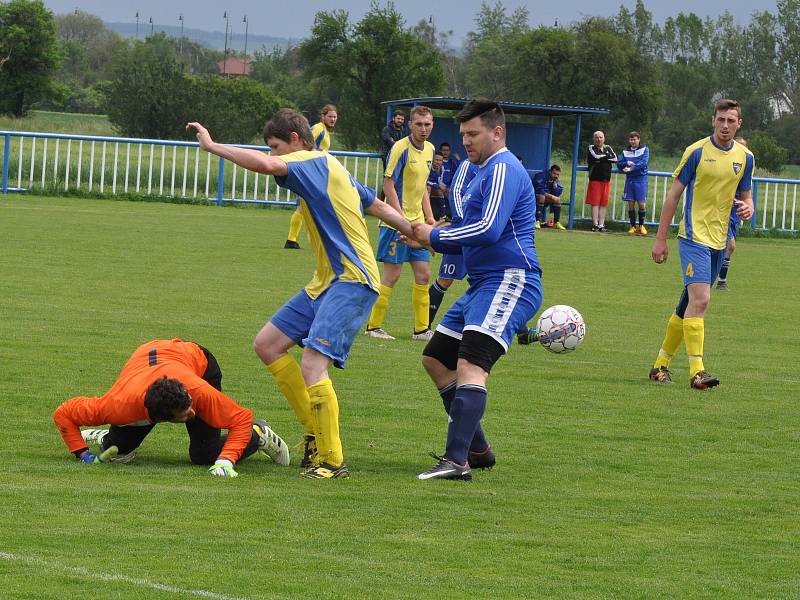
(512, 108)
(235, 66)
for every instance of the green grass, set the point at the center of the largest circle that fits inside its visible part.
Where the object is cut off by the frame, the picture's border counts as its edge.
(606, 485)
(55, 122)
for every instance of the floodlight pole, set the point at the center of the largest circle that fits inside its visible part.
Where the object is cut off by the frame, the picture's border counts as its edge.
(151, 26)
(137, 24)
(225, 56)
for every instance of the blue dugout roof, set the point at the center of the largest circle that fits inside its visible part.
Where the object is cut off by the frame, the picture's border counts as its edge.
(511, 108)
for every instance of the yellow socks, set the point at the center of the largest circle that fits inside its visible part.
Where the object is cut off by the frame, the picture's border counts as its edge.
(421, 301)
(672, 340)
(379, 310)
(294, 226)
(693, 337)
(325, 408)
(289, 378)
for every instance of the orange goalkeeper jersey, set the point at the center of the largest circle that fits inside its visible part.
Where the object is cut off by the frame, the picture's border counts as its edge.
(123, 404)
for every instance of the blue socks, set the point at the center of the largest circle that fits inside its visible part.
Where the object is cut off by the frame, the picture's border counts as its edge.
(464, 432)
(436, 295)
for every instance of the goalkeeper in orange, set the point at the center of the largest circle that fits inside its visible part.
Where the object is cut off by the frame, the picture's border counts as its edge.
(168, 381)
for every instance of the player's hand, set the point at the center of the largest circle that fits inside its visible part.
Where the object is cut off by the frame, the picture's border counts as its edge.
(744, 210)
(223, 468)
(90, 457)
(202, 134)
(660, 251)
(422, 233)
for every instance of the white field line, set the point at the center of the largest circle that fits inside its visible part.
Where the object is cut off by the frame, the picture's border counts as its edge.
(55, 567)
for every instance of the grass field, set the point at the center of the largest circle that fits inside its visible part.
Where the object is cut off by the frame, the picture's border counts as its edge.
(606, 485)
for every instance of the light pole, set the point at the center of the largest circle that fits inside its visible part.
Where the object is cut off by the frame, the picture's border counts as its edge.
(151, 26)
(180, 42)
(225, 55)
(246, 27)
(137, 24)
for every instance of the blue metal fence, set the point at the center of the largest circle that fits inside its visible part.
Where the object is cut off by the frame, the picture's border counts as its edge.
(51, 162)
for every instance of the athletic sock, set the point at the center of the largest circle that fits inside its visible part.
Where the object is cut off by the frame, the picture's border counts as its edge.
(289, 378)
(421, 302)
(435, 296)
(379, 310)
(325, 407)
(632, 216)
(556, 208)
(693, 337)
(723, 272)
(466, 411)
(642, 215)
(672, 341)
(295, 223)
(479, 442)
(540, 212)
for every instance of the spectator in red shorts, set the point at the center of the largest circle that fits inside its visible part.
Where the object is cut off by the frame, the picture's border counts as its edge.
(601, 159)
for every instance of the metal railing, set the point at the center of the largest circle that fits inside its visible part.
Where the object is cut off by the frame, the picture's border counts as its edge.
(775, 200)
(58, 163)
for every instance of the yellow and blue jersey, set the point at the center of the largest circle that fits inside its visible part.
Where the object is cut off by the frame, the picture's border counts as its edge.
(712, 176)
(409, 167)
(333, 204)
(322, 137)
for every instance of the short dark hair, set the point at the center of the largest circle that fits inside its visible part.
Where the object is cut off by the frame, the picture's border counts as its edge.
(437, 153)
(284, 122)
(399, 113)
(443, 144)
(165, 398)
(555, 167)
(489, 111)
(635, 134)
(727, 104)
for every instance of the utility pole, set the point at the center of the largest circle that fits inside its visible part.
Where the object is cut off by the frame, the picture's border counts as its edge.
(246, 27)
(225, 58)
(151, 26)
(180, 42)
(137, 24)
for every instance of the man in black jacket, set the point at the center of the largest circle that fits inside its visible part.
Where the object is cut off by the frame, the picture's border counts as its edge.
(601, 159)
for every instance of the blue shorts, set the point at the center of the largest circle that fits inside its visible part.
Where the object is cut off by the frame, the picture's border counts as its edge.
(733, 226)
(452, 267)
(330, 323)
(392, 251)
(699, 263)
(635, 189)
(498, 304)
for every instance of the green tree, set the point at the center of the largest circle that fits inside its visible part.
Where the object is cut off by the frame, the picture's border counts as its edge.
(149, 94)
(770, 155)
(28, 55)
(359, 66)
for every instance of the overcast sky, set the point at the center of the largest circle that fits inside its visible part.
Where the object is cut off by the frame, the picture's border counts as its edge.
(294, 19)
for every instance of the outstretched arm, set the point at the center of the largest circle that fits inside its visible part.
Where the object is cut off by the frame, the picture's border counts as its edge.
(252, 160)
(390, 216)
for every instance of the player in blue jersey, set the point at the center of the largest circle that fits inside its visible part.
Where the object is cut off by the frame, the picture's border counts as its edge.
(730, 248)
(711, 171)
(324, 317)
(321, 132)
(633, 163)
(495, 238)
(548, 193)
(452, 266)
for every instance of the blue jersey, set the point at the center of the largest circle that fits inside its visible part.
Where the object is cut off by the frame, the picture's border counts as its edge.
(449, 167)
(463, 176)
(639, 157)
(496, 231)
(542, 184)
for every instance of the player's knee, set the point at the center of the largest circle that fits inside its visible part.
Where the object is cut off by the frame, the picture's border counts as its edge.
(440, 351)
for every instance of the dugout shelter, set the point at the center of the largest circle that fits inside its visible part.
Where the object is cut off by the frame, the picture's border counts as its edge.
(530, 139)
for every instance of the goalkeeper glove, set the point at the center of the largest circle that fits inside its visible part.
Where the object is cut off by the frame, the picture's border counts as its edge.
(223, 468)
(90, 457)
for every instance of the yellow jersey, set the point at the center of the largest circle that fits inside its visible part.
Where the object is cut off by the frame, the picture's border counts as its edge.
(409, 167)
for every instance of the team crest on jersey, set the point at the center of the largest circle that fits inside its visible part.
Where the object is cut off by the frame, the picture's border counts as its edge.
(430, 163)
(737, 167)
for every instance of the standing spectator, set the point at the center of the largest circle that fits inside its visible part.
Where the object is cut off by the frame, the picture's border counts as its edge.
(600, 160)
(548, 192)
(394, 131)
(437, 190)
(321, 132)
(733, 229)
(634, 164)
(404, 183)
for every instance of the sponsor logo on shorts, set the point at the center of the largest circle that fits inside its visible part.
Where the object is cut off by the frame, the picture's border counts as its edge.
(322, 341)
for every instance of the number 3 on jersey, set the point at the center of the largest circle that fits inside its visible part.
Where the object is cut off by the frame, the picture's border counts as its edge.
(392, 248)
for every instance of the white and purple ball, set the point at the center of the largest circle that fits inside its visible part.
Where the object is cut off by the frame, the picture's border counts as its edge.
(560, 328)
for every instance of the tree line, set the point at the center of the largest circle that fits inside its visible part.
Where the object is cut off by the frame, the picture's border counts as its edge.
(658, 78)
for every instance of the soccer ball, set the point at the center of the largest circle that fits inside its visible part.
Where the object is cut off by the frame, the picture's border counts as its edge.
(560, 328)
